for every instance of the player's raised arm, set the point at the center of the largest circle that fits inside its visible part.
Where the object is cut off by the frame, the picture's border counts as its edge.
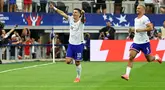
(82, 16)
(59, 11)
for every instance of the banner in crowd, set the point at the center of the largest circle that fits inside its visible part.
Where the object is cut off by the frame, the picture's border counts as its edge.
(118, 50)
(48, 19)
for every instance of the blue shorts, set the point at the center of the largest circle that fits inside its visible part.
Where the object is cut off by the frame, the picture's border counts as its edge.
(75, 51)
(12, 1)
(145, 48)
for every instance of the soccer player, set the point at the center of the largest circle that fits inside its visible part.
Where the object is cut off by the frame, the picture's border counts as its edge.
(141, 40)
(76, 38)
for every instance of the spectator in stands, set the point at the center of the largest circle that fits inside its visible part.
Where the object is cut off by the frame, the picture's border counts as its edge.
(159, 36)
(27, 48)
(49, 49)
(130, 35)
(107, 32)
(152, 34)
(33, 48)
(18, 38)
(27, 5)
(43, 4)
(12, 5)
(59, 50)
(39, 48)
(35, 5)
(4, 36)
(19, 4)
(14, 41)
(149, 6)
(162, 29)
(25, 33)
(162, 6)
(101, 36)
(118, 6)
(101, 6)
(136, 4)
(1, 5)
(86, 52)
(51, 10)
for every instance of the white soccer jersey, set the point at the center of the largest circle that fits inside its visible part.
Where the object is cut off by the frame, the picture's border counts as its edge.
(140, 23)
(76, 36)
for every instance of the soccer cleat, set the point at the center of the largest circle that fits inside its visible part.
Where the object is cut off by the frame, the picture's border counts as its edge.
(158, 58)
(77, 80)
(0, 61)
(126, 77)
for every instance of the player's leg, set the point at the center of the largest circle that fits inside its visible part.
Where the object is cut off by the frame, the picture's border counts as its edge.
(69, 54)
(78, 58)
(147, 50)
(134, 50)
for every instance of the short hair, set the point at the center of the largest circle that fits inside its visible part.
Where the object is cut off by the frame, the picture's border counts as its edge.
(142, 6)
(78, 10)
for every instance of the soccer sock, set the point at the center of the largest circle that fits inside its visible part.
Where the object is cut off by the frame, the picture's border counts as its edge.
(128, 70)
(78, 69)
(73, 61)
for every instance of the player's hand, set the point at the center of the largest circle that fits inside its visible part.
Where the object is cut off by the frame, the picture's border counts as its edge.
(82, 11)
(51, 5)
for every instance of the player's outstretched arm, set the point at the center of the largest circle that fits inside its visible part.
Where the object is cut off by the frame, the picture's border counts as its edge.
(59, 11)
(82, 16)
(8, 33)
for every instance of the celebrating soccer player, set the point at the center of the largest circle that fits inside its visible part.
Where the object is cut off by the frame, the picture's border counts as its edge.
(76, 38)
(141, 40)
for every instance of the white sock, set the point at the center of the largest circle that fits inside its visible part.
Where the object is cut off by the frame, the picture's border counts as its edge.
(128, 70)
(73, 61)
(78, 69)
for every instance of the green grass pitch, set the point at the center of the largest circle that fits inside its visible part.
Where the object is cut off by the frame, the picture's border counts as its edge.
(95, 76)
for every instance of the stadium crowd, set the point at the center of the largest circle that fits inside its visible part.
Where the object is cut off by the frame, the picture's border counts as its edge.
(97, 6)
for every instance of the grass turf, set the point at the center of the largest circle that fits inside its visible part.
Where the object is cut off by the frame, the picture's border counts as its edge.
(95, 76)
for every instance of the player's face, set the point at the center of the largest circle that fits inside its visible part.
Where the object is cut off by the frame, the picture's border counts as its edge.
(76, 14)
(139, 9)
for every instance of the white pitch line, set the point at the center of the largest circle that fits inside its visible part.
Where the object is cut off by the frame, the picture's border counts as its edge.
(16, 69)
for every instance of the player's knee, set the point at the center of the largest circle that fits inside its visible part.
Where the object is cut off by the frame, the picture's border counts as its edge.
(77, 63)
(131, 57)
(68, 61)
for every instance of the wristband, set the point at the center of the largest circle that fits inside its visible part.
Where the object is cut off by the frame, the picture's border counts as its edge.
(55, 8)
